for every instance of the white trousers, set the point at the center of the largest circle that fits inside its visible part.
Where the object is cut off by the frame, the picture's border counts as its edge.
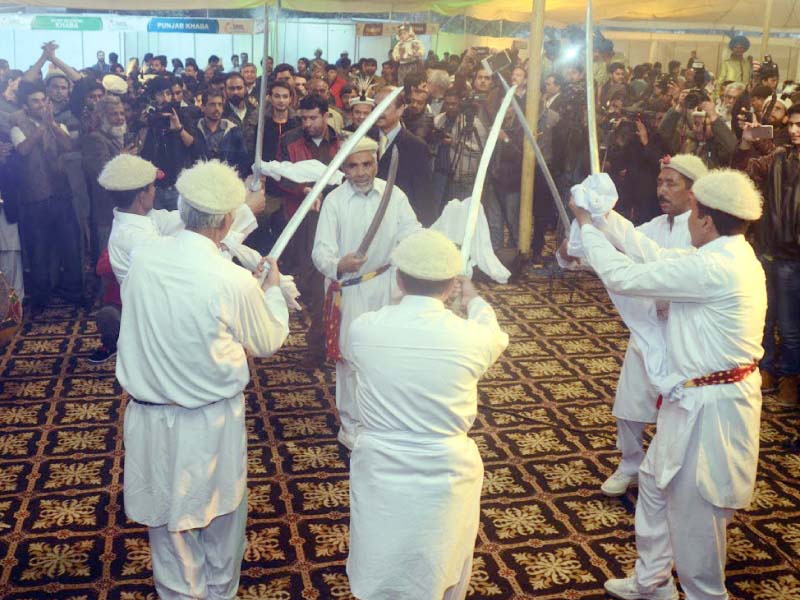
(200, 563)
(346, 397)
(677, 525)
(629, 441)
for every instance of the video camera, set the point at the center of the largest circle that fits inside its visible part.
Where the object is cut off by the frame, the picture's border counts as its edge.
(470, 105)
(769, 68)
(158, 116)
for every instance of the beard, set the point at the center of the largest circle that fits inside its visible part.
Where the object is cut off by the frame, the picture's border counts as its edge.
(115, 131)
(363, 188)
(236, 100)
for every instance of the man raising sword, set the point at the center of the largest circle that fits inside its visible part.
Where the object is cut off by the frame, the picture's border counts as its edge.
(359, 225)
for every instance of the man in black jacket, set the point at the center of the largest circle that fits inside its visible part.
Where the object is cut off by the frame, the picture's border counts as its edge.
(241, 109)
(414, 169)
(219, 138)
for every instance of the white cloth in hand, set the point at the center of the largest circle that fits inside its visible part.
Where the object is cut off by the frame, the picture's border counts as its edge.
(250, 260)
(304, 171)
(453, 222)
(597, 194)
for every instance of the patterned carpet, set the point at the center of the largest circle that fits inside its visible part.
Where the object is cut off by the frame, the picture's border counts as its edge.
(545, 431)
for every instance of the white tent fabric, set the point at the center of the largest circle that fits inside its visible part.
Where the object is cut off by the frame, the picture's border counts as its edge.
(720, 13)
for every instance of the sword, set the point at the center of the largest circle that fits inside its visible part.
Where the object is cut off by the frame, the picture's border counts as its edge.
(336, 162)
(480, 177)
(381, 212)
(255, 182)
(591, 107)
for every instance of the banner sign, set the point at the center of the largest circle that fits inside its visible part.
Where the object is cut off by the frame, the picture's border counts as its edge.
(67, 23)
(390, 29)
(236, 26)
(166, 25)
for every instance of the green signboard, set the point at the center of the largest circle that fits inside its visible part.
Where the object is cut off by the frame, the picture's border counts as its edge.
(68, 23)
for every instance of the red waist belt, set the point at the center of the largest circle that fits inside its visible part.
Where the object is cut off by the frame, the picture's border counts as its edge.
(333, 312)
(734, 375)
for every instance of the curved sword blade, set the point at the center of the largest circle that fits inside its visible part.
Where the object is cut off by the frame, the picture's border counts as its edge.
(381, 212)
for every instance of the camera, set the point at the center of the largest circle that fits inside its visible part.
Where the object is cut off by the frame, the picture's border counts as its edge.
(158, 117)
(664, 81)
(699, 69)
(636, 114)
(470, 105)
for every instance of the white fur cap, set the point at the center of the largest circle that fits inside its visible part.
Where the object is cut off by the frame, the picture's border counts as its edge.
(114, 84)
(365, 144)
(429, 255)
(730, 192)
(597, 194)
(211, 187)
(687, 165)
(127, 172)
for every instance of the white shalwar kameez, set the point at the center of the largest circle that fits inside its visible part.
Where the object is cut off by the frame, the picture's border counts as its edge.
(415, 476)
(344, 219)
(190, 316)
(11, 255)
(129, 230)
(635, 400)
(701, 464)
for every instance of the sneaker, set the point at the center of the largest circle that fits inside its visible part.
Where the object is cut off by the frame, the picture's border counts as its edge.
(628, 589)
(102, 354)
(618, 484)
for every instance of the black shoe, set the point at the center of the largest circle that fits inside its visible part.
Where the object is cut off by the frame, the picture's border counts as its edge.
(102, 354)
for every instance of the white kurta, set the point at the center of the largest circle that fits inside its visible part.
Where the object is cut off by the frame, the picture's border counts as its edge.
(11, 255)
(415, 476)
(343, 221)
(718, 303)
(129, 230)
(636, 395)
(190, 316)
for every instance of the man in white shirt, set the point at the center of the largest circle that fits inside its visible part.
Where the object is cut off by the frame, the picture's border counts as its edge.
(190, 319)
(415, 475)
(356, 284)
(701, 465)
(635, 400)
(130, 183)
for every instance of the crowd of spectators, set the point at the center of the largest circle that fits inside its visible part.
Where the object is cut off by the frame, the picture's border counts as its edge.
(60, 125)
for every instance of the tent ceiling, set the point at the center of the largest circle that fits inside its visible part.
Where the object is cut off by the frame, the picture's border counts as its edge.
(728, 13)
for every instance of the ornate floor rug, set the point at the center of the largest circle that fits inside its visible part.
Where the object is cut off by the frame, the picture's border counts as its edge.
(545, 431)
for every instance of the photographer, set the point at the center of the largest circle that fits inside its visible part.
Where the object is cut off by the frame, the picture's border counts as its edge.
(166, 140)
(693, 126)
(633, 161)
(417, 117)
(774, 169)
(462, 137)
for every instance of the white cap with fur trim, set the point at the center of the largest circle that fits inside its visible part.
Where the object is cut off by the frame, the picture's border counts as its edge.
(114, 84)
(731, 192)
(127, 172)
(365, 144)
(429, 255)
(211, 187)
(687, 165)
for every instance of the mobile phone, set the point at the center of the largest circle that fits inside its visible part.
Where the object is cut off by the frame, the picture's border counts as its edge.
(497, 63)
(761, 132)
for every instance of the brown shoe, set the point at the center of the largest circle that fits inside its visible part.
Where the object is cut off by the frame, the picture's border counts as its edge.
(769, 383)
(787, 389)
